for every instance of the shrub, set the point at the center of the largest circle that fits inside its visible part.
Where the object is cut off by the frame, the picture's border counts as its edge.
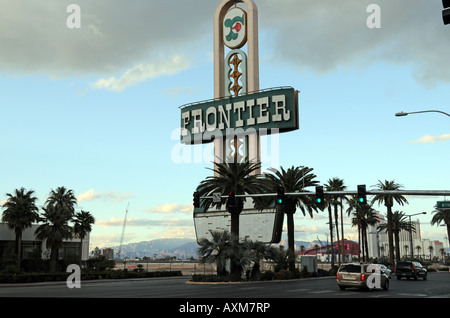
(268, 275)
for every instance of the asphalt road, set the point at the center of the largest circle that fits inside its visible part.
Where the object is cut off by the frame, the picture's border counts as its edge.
(437, 285)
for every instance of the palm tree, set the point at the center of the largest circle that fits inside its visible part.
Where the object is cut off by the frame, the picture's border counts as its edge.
(82, 226)
(388, 200)
(64, 200)
(399, 222)
(430, 249)
(59, 211)
(418, 248)
(442, 216)
(406, 246)
(354, 209)
(20, 213)
(337, 184)
(54, 230)
(216, 250)
(328, 204)
(259, 251)
(294, 179)
(363, 216)
(237, 178)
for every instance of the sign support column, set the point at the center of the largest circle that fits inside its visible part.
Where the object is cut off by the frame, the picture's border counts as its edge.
(252, 69)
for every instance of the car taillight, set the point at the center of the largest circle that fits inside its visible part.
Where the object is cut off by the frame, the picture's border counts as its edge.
(337, 276)
(363, 277)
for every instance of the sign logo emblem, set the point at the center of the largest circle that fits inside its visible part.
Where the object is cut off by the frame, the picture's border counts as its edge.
(235, 28)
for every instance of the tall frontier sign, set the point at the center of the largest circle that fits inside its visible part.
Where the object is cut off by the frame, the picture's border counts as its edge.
(239, 114)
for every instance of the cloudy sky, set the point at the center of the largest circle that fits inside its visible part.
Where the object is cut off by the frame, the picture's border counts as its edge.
(95, 108)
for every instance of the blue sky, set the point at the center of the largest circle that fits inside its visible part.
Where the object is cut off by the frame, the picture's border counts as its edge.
(95, 109)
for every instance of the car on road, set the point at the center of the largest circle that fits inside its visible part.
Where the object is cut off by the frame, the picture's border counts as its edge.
(386, 270)
(410, 269)
(362, 276)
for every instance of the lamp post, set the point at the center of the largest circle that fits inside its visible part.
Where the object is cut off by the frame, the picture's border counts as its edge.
(401, 114)
(410, 233)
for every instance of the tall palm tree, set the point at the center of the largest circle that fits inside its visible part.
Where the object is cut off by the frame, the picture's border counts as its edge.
(63, 200)
(337, 184)
(388, 200)
(58, 212)
(54, 230)
(20, 213)
(238, 178)
(82, 226)
(399, 222)
(354, 209)
(430, 249)
(294, 179)
(363, 216)
(328, 203)
(442, 216)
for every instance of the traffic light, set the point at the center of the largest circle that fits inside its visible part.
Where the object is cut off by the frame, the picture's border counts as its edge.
(280, 195)
(196, 200)
(446, 12)
(319, 195)
(362, 199)
(231, 202)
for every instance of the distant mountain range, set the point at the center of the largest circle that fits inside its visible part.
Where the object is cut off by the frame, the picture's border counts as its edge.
(179, 247)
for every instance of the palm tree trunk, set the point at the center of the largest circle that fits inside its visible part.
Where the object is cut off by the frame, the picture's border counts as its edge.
(342, 234)
(235, 225)
(330, 221)
(234, 238)
(397, 246)
(366, 242)
(336, 218)
(291, 243)
(359, 242)
(81, 251)
(54, 258)
(448, 233)
(19, 247)
(390, 234)
(363, 242)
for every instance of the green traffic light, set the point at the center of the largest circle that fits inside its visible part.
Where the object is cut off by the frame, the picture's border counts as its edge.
(280, 201)
(319, 200)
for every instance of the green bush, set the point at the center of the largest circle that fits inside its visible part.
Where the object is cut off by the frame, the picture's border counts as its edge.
(268, 275)
(283, 274)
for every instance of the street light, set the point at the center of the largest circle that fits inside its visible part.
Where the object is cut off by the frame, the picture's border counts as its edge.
(410, 233)
(401, 114)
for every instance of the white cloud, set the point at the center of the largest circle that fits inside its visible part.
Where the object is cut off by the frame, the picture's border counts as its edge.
(178, 232)
(114, 34)
(326, 35)
(140, 73)
(431, 139)
(171, 208)
(106, 196)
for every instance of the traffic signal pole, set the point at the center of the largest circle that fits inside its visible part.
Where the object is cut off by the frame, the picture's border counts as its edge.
(341, 193)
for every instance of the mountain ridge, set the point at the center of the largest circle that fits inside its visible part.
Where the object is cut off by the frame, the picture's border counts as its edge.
(181, 248)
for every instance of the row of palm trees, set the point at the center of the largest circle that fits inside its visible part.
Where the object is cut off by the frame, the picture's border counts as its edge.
(21, 212)
(241, 179)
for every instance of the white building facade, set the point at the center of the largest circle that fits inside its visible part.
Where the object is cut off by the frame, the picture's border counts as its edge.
(30, 243)
(411, 244)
